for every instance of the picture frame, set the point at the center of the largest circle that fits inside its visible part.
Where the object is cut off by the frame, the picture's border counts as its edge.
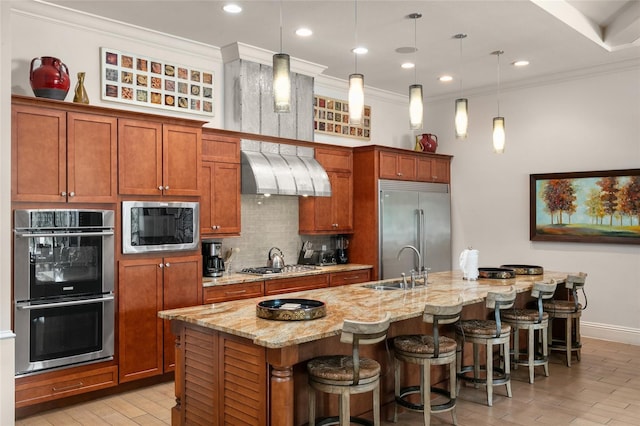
(331, 117)
(136, 79)
(585, 207)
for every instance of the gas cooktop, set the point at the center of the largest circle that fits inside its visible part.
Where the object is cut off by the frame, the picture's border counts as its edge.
(265, 270)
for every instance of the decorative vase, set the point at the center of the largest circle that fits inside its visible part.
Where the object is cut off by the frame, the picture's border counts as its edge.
(418, 146)
(50, 79)
(80, 92)
(429, 142)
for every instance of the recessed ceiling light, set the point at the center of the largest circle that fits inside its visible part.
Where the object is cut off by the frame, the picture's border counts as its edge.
(232, 8)
(520, 63)
(406, 49)
(445, 78)
(408, 65)
(304, 32)
(361, 50)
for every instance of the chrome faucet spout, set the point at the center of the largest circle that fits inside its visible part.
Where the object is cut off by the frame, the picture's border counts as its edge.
(417, 253)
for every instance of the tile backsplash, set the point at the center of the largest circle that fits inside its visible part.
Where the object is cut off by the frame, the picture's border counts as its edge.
(269, 222)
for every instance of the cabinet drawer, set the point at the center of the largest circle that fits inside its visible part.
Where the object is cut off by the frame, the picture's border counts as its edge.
(232, 292)
(349, 277)
(34, 391)
(286, 285)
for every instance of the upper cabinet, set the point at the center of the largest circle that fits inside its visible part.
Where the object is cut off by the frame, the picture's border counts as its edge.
(60, 156)
(397, 166)
(220, 183)
(330, 215)
(158, 159)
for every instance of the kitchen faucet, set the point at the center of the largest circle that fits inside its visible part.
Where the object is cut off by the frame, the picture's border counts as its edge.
(421, 268)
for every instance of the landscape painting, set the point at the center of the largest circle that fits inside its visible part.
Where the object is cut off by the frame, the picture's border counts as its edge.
(593, 207)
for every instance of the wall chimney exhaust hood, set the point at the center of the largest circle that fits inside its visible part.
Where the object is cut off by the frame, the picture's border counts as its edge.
(280, 169)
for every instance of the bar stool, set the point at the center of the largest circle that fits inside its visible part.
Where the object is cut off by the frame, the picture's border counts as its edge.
(345, 375)
(532, 320)
(426, 351)
(570, 311)
(487, 333)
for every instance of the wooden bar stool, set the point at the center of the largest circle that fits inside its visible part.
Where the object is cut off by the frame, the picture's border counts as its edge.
(570, 311)
(532, 320)
(345, 375)
(487, 333)
(426, 350)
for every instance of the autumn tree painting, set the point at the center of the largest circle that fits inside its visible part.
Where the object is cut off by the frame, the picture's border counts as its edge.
(586, 206)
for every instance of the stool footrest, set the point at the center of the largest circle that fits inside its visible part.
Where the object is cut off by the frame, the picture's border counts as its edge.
(498, 379)
(435, 408)
(335, 420)
(521, 358)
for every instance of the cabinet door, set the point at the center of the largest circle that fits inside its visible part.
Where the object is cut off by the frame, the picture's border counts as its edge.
(220, 201)
(139, 157)
(140, 330)
(406, 167)
(91, 158)
(342, 201)
(433, 170)
(442, 172)
(39, 151)
(388, 165)
(182, 288)
(182, 148)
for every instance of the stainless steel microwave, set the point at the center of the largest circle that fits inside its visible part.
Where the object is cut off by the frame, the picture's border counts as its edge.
(153, 226)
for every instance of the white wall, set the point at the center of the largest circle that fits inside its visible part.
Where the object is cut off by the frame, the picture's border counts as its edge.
(579, 124)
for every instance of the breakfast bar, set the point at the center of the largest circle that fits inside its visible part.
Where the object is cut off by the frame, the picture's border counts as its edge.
(231, 364)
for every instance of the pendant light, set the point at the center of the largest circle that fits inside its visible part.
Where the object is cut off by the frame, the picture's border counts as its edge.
(281, 77)
(498, 121)
(356, 85)
(416, 110)
(462, 104)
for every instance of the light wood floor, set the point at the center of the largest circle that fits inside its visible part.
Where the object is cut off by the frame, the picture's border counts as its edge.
(602, 389)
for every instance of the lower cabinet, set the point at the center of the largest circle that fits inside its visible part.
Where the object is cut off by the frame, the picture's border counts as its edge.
(349, 277)
(146, 346)
(288, 285)
(226, 293)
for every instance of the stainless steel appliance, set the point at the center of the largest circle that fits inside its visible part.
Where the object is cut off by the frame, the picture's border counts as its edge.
(416, 214)
(342, 244)
(212, 262)
(288, 269)
(151, 226)
(63, 287)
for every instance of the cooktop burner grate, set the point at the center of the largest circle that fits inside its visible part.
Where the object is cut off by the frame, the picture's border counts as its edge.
(265, 270)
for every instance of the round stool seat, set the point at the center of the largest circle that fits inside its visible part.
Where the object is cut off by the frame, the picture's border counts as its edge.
(561, 307)
(339, 368)
(524, 315)
(423, 344)
(481, 328)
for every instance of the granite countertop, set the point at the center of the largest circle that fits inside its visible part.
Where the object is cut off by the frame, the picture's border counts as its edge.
(239, 278)
(350, 301)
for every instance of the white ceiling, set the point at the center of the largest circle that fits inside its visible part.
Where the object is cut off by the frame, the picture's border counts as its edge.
(558, 37)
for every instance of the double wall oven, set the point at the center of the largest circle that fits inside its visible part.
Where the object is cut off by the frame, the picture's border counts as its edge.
(63, 288)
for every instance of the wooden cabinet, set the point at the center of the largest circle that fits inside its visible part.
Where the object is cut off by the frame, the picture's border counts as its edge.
(60, 156)
(330, 215)
(349, 277)
(146, 286)
(220, 182)
(63, 383)
(225, 293)
(287, 285)
(397, 166)
(432, 170)
(158, 159)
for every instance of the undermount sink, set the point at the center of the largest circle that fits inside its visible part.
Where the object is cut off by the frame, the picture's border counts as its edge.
(391, 285)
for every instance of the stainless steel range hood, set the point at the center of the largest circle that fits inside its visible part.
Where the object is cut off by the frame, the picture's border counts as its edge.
(280, 169)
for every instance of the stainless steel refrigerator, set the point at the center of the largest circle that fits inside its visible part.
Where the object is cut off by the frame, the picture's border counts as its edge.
(417, 214)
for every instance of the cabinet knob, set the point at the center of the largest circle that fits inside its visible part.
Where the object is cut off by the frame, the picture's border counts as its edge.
(72, 194)
(167, 264)
(166, 187)
(399, 174)
(161, 187)
(161, 265)
(63, 194)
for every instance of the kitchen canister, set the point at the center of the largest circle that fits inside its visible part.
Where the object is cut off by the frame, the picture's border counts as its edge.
(49, 78)
(469, 264)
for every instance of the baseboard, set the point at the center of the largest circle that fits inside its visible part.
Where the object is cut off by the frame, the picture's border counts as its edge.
(609, 332)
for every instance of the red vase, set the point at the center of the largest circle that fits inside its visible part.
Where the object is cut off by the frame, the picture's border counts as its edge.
(49, 78)
(429, 142)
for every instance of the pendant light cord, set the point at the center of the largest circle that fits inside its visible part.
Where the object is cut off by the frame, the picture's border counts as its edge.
(461, 91)
(355, 20)
(415, 49)
(498, 97)
(280, 26)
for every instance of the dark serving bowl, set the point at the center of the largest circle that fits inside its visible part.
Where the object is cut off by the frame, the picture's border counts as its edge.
(496, 273)
(525, 269)
(291, 309)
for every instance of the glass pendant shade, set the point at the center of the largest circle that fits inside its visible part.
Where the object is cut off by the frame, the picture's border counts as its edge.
(281, 83)
(415, 106)
(462, 118)
(498, 135)
(356, 98)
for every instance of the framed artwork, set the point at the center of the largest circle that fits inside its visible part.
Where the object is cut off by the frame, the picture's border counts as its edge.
(136, 79)
(590, 207)
(331, 116)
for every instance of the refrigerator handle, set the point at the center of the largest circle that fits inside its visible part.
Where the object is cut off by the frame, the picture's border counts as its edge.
(421, 243)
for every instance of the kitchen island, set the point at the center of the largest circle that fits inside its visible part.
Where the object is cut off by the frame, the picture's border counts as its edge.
(232, 364)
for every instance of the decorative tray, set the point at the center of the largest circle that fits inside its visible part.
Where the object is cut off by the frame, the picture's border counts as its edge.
(291, 309)
(525, 269)
(499, 273)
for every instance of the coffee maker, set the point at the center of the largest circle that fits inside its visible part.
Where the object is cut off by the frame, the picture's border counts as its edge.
(212, 263)
(342, 243)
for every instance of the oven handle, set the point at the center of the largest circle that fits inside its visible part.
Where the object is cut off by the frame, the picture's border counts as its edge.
(68, 303)
(64, 234)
